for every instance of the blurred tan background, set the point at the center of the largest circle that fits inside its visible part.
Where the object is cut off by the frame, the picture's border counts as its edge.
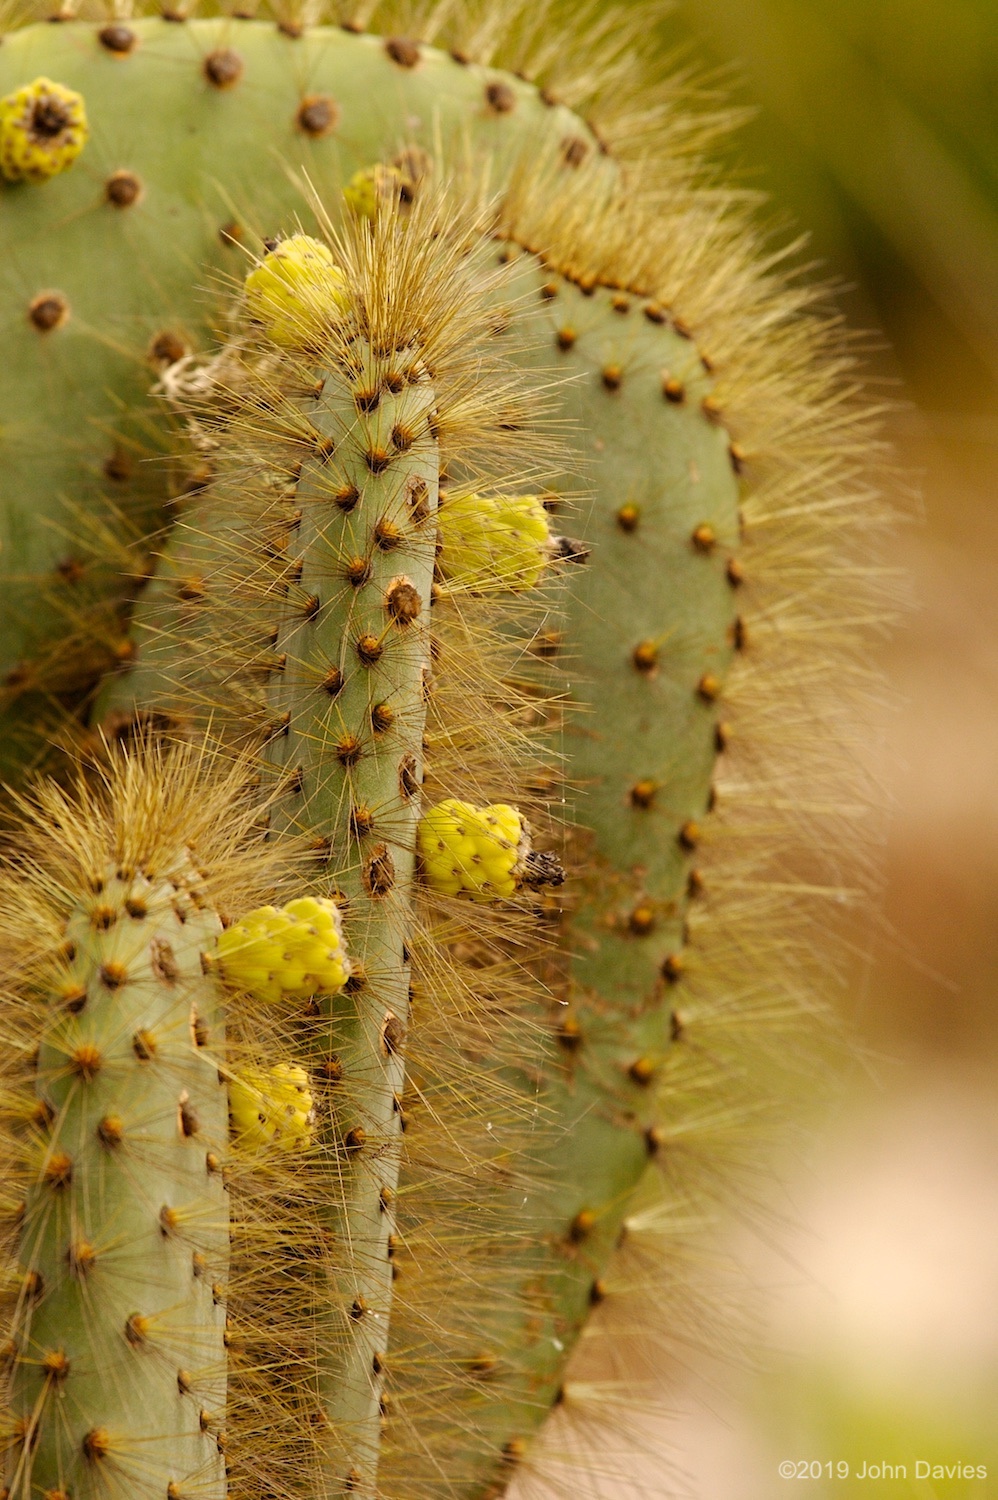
(877, 130)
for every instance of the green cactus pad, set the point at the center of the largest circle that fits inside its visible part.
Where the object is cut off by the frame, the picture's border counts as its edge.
(113, 270)
(124, 1245)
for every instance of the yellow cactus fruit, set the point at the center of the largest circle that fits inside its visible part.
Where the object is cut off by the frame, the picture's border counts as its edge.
(295, 292)
(271, 1107)
(289, 953)
(494, 541)
(472, 851)
(372, 186)
(43, 129)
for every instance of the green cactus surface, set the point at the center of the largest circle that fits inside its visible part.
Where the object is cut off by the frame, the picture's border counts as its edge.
(318, 341)
(113, 268)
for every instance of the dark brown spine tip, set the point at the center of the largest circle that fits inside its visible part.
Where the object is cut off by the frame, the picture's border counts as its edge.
(96, 1444)
(612, 377)
(361, 821)
(643, 792)
(347, 749)
(569, 1034)
(144, 1045)
(356, 979)
(655, 312)
(689, 835)
(541, 868)
(403, 602)
(722, 737)
(403, 50)
(673, 390)
(379, 873)
(377, 460)
(620, 302)
(574, 150)
(74, 997)
(500, 97)
(58, 1171)
(387, 535)
(369, 650)
(331, 1070)
(368, 399)
(709, 687)
(735, 573)
(673, 967)
(565, 338)
(582, 1226)
(655, 1139)
(87, 1061)
(167, 347)
(408, 779)
(354, 1139)
(47, 311)
(628, 517)
(122, 189)
(547, 643)
(568, 549)
(318, 115)
(346, 497)
(597, 1293)
(549, 291)
(357, 1309)
(136, 1330)
(641, 1071)
(392, 1035)
(117, 39)
(738, 634)
(645, 656)
(223, 68)
(641, 921)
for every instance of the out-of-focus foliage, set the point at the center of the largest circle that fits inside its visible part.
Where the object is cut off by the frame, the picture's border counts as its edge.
(878, 126)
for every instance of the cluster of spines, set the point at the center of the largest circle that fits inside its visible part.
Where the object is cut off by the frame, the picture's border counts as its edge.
(115, 1138)
(345, 472)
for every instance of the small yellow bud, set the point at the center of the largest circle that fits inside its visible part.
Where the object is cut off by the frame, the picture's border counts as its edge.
(296, 292)
(494, 541)
(471, 851)
(292, 953)
(43, 129)
(371, 187)
(271, 1107)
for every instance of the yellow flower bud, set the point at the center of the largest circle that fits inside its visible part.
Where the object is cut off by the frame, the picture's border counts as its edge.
(271, 1107)
(296, 292)
(493, 541)
(371, 187)
(291, 953)
(471, 851)
(43, 129)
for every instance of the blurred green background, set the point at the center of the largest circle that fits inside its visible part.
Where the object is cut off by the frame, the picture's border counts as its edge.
(876, 130)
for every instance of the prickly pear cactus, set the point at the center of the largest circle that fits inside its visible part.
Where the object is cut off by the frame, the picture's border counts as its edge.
(524, 856)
